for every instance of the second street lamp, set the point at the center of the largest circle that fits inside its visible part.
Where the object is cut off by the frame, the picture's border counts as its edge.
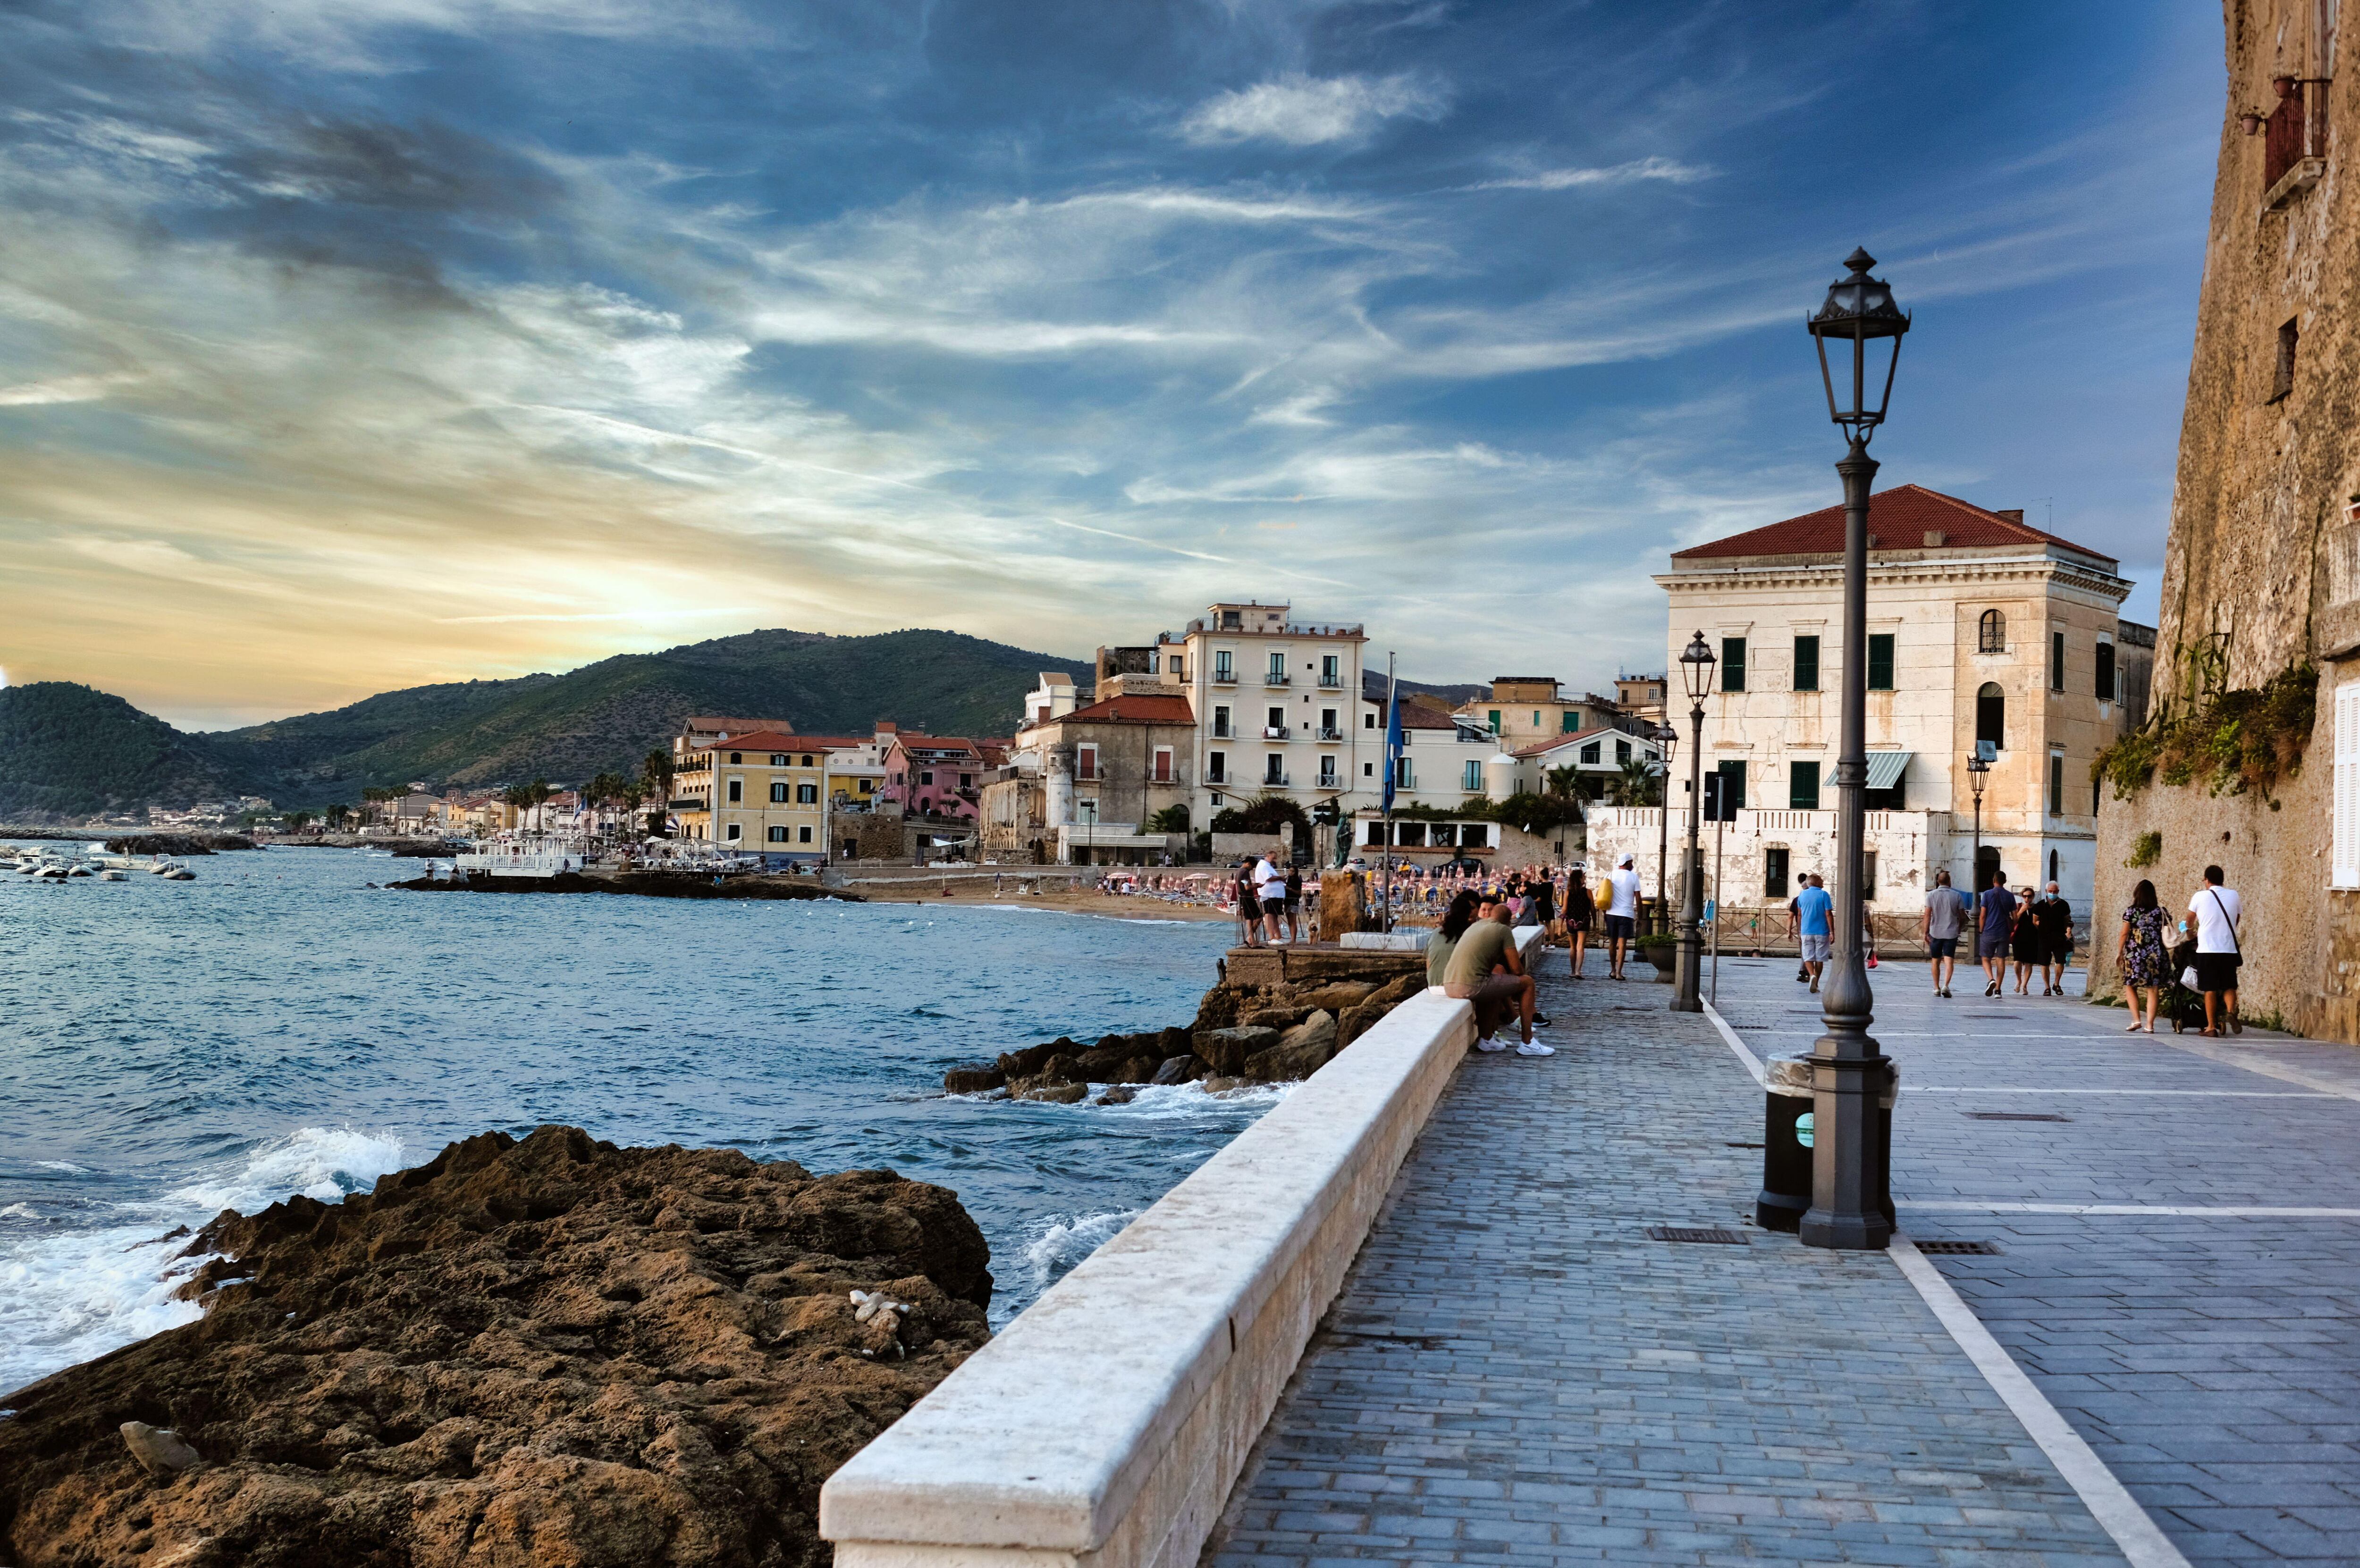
(1852, 1205)
(1668, 739)
(1977, 770)
(1695, 675)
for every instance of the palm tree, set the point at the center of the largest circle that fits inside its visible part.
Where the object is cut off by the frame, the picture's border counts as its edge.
(1636, 784)
(655, 773)
(1565, 781)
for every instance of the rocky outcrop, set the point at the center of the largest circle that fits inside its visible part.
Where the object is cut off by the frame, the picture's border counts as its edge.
(553, 1352)
(1300, 1051)
(182, 844)
(643, 884)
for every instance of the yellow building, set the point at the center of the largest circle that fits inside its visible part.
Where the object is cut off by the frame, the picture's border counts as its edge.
(1525, 708)
(765, 792)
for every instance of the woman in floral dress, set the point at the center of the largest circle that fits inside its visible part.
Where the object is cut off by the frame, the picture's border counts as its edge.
(2141, 955)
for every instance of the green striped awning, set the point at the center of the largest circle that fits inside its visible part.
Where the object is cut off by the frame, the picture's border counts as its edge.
(1885, 767)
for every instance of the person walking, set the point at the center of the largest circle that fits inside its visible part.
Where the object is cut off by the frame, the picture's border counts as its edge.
(1578, 910)
(2214, 911)
(1996, 910)
(2053, 918)
(1485, 969)
(1622, 915)
(2142, 954)
(2025, 942)
(1946, 916)
(1814, 927)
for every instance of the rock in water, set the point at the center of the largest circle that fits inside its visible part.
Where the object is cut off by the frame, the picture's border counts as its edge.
(552, 1352)
(1301, 1051)
(1173, 1070)
(160, 1453)
(974, 1080)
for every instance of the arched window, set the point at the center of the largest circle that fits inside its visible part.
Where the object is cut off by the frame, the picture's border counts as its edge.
(1991, 633)
(1991, 712)
(2052, 865)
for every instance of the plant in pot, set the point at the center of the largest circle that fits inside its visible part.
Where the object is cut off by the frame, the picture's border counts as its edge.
(1661, 949)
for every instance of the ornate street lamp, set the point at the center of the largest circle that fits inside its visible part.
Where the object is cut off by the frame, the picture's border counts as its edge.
(1668, 739)
(1851, 1205)
(1695, 675)
(1977, 771)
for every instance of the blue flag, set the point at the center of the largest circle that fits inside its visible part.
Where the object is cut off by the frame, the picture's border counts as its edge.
(1393, 749)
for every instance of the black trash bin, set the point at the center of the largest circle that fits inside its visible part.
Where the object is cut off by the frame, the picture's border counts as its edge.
(1786, 1129)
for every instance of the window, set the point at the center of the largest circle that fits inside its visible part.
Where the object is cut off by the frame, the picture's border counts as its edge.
(807, 794)
(1376, 833)
(1369, 720)
(1216, 765)
(2282, 382)
(1807, 664)
(1327, 772)
(1568, 721)
(1330, 671)
(1473, 835)
(807, 761)
(1442, 836)
(2052, 865)
(779, 760)
(1403, 777)
(927, 777)
(1621, 752)
(1273, 769)
(736, 757)
(778, 836)
(1537, 718)
(2105, 683)
(1991, 712)
(779, 794)
(2055, 783)
(869, 786)
(1868, 876)
(1410, 835)
(1470, 778)
(1368, 770)
(736, 790)
(1222, 670)
(1274, 717)
(1589, 752)
(1277, 670)
(1732, 664)
(1733, 785)
(735, 832)
(1496, 721)
(1220, 724)
(2057, 661)
(1774, 871)
(1990, 633)
(1328, 729)
(1803, 785)
(967, 780)
(1163, 774)
(1179, 668)
(1085, 762)
(1880, 661)
(802, 835)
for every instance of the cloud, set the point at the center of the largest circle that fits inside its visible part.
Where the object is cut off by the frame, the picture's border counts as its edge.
(1305, 111)
(1670, 170)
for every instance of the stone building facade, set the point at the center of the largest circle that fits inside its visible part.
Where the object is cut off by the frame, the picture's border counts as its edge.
(2262, 566)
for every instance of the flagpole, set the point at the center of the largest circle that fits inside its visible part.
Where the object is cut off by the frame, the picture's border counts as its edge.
(1393, 768)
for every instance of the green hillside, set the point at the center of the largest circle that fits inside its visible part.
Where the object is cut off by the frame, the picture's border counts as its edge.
(67, 750)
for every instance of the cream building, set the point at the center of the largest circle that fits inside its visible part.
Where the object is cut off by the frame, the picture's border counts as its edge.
(1274, 700)
(1980, 630)
(1522, 709)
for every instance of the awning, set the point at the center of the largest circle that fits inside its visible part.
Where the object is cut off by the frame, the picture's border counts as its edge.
(1885, 767)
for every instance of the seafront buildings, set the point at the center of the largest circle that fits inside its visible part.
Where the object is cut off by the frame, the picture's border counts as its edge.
(1984, 633)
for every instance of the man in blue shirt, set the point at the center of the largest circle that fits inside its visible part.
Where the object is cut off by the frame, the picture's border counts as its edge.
(1811, 919)
(1998, 907)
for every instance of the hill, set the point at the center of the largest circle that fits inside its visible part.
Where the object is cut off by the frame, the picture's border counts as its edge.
(69, 751)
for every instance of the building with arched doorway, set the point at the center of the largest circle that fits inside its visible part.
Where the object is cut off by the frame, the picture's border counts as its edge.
(1982, 631)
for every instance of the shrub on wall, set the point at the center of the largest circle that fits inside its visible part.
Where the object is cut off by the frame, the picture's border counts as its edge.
(2244, 740)
(2146, 850)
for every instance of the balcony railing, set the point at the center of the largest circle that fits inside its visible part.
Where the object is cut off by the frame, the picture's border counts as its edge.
(1276, 781)
(1276, 677)
(1330, 780)
(1331, 682)
(1276, 732)
(1225, 677)
(1331, 734)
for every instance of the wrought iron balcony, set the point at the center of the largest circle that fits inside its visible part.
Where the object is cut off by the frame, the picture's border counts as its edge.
(1276, 677)
(1276, 732)
(1331, 734)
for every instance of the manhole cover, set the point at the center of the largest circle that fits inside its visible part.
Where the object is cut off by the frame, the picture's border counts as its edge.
(1960, 1248)
(2014, 1116)
(1695, 1233)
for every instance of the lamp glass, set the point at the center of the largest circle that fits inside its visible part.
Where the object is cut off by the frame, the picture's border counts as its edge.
(1695, 668)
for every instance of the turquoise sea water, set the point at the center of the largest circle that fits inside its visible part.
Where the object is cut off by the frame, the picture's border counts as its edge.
(168, 1050)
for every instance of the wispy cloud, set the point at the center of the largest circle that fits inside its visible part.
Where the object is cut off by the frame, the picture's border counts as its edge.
(1304, 111)
(1669, 170)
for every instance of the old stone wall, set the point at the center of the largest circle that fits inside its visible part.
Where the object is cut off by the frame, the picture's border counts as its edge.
(2260, 567)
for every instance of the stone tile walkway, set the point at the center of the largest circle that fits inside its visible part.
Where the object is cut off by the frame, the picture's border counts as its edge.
(1516, 1373)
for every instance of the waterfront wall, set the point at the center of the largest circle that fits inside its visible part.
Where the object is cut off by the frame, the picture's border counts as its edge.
(1105, 1426)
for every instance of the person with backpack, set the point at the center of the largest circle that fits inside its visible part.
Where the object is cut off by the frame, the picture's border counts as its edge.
(2214, 911)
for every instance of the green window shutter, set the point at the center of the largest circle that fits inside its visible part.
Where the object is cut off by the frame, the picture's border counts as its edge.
(1880, 661)
(1807, 664)
(1496, 721)
(1732, 785)
(1803, 785)
(1570, 721)
(1732, 664)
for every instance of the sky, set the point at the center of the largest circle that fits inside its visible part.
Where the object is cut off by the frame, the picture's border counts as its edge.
(355, 345)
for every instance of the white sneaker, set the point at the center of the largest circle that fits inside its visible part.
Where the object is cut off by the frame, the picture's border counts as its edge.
(1488, 1045)
(1535, 1048)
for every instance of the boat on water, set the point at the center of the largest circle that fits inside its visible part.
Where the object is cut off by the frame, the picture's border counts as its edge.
(113, 873)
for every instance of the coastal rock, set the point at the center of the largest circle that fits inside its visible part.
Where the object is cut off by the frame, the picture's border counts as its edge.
(1362, 1015)
(1174, 1070)
(1121, 1095)
(973, 1080)
(1275, 1017)
(1221, 1086)
(160, 1453)
(1053, 1093)
(1337, 996)
(1218, 1008)
(1028, 1061)
(1226, 1050)
(1301, 1051)
(547, 1352)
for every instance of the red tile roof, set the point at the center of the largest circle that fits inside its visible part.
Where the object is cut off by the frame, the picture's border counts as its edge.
(1899, 518)
(706, 724)
(1133, 709)
(764, 740)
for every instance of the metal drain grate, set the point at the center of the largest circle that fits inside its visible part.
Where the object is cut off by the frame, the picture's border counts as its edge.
(1695, 1233)
(1960, 1248)
(2014, 1116)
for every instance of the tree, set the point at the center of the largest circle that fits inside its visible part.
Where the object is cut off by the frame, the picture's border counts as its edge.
(1565, 781)
(297, 821)
(1170, 819)
(1636, 784)
(655, 776)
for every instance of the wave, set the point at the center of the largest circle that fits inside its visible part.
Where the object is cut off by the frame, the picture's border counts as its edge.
(65, 1298)
(1059, 1242)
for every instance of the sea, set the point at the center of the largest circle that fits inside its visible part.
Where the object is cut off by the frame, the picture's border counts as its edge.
(169, 1049)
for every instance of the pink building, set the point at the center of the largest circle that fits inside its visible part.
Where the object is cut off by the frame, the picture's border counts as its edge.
(939, 776)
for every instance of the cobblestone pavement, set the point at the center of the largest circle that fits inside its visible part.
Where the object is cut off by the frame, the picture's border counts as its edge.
(1515, 1374)
(2212, 1360)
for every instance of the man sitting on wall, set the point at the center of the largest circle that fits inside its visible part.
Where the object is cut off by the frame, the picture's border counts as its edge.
(1485, 969)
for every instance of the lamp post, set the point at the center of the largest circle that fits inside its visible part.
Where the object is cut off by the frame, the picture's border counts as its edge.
(1977, 771)
(1851, 1205)
(1696, 674)
(1668, 740)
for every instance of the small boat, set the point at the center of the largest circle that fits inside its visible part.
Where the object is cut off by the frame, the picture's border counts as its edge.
(114, 874)
(179, 873)
(77, 869)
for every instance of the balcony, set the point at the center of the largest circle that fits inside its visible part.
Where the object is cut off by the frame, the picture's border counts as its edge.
(1222, 677)
(1276, 781)
(1331, 734)
(1276, 677)
(1223, 732)
(1331, 782)
(1331, 682)
(1276, 732)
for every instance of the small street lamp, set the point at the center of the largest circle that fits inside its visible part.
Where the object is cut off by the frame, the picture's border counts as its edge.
(1977, 771)
(1668, 740)
(1695, 675)
(1851, 1205)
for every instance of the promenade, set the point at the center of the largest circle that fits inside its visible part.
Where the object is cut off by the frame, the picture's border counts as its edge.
(1516, 1373)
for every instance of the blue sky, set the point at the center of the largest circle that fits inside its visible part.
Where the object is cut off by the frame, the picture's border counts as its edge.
(345, 346)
